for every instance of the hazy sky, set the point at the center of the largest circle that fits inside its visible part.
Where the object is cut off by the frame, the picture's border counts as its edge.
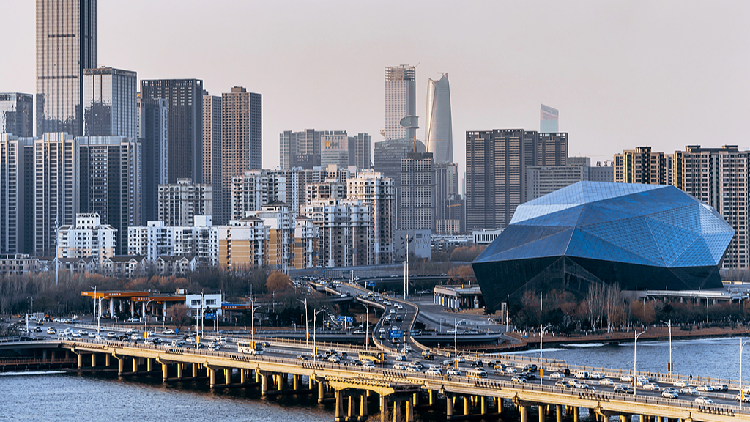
(622, 73)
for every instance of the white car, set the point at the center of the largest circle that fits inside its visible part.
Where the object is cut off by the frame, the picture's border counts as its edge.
(435, 371)
(76, 334)
(680, 384)
(368, 363)
(688, 390)
(399, 366)
(703, 400)
(606, 381)
(510, 370)
(92, 334)
(596, 375)
(401, 358)
(168, 331)
(704, 387)
(557, 375)
(668, 394)
(626, 378)
(651, 387)
(454, 372)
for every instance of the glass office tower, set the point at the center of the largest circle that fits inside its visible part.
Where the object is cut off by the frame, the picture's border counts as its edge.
(65, 45)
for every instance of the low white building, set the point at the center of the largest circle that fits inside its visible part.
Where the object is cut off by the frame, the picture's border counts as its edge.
(159, 240)
(211, 304)
(88, 238)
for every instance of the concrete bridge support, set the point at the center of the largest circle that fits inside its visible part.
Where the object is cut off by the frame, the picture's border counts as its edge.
(540, 408)
(107, 359)
(431, 397)
(321, 391)
(242, 376)
(179, 371)
(227, 376)
(149, 365)
(383, 408)
(295, 382)
(467, 406)
(80, 361)
(338, 410)
(449, 407)
(120, 366)
(263, 384)
(164, 372)
(397, 410)
(93, 360)
(211, 377)
(577, 414)
(363, 407)
(524, 411)
(135, 365)
(195, 370)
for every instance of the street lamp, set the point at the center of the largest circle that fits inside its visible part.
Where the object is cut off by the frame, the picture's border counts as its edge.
(145, 320)
(367, 328)
(669, 324)
(252, 320)
(455, 338)
(635, 377)
(315, 329)
(97, 314)
(541, 350)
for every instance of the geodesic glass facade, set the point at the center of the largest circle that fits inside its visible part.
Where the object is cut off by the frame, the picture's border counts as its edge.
(640, 236)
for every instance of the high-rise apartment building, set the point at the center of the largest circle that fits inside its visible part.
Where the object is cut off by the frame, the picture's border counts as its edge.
(550, 119)
(16, 196)
(400, 101)
(254, 189)
(345, 231)
(641, 165)
(65, 45)
(360, 151)
(184, 126)
(387, 161)
(241, 140)
(300, 149)
(496, 164)
(439, 126)
(109, 182)
(180, 202)
(417, 192)
(55, 188)
(378, 191)
(153, 133)
(720, 177)
(212, 147)
(109, 102)
(17, 114)
(88, 238)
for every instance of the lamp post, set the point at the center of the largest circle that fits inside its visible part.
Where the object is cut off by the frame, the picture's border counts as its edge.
(740, 394)
(367, 328)
(307, 327)
(541, 349)
(455, 333)
(252, 320)
(635, 377)
(669, 325)
(145, 320)
(315, 329)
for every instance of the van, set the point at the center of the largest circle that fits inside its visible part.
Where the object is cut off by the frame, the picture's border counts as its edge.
(582, 375)
(476, 373)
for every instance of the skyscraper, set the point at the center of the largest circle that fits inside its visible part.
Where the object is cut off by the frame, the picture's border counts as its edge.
(241, 141)
(15, 236)
(109, 182)
(641, 165)
(212, 148)
(17, 114)
(360, 151)
(65, 45)
(334, 148)
(439, 126)
(300, 149)
(496, 163)
(109, 102)
(549, 120)
(417, 192)
(55, 193)
(400, 101)
(153, 131)
(185, 100)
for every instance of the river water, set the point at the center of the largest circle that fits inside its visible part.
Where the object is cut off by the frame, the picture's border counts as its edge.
(104, 397)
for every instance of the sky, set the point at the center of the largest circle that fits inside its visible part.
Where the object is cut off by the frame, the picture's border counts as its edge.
(622, 74)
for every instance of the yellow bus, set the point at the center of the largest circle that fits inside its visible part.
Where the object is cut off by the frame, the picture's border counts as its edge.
(375, 357)
(476, 373)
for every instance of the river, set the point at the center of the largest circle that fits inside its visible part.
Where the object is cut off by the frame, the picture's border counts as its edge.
(74, 397)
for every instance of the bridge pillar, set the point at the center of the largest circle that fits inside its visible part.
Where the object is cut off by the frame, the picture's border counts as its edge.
(409, 411)
(93, 360)
(195, 370)
(559, 412)
(280, 381)
(641, 418)
(120, 366)
(383, 407)
(211, 377)
(415, 399)
(541, 412)
(363, 407)
(624, 418)
(295, 382)
(227, 376)
(310, 383)
(576, 414)
(524, 413)
(242, 376)
(263, 383)
(164, 372)
(107, 357)
(321, 392)
(397, 410)
(467, 406)
(149, 365)
(431, 397)
(179, 371)
(350, 410)
(80, 361)
(338, 410)
(449, 408)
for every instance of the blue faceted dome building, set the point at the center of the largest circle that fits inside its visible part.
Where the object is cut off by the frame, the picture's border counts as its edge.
(640, 236)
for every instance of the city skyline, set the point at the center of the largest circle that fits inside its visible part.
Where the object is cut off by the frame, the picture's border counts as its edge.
(611, 59)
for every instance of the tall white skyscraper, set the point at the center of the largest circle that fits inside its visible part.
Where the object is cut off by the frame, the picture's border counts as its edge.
(439, 126)
(400, 101)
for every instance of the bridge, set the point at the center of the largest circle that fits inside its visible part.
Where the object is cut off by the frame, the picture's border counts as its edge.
(352, 388)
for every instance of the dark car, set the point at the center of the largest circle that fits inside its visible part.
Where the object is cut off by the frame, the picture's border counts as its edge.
(477, 364)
